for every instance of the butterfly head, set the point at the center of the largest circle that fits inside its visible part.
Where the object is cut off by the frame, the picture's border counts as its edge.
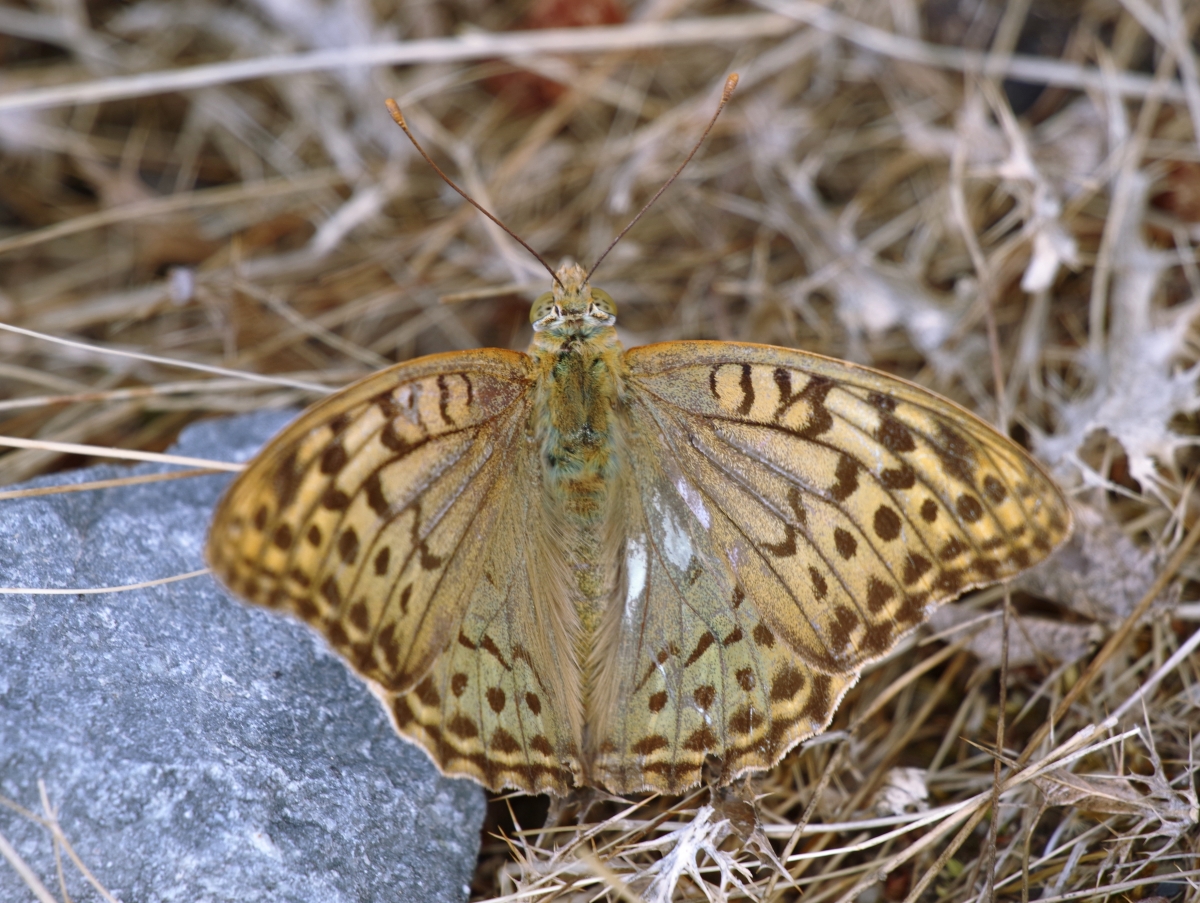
(573, 308)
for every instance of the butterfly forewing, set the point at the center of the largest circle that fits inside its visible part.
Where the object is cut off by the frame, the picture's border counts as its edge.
(386, 517)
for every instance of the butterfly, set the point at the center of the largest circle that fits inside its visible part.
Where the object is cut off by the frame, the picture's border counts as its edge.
(583, 565)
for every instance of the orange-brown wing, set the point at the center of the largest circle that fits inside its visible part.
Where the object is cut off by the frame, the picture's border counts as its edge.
(798, 515)
(393, 517)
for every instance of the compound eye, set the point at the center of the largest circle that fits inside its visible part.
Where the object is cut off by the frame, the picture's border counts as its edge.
(541, 307)
(604, 301)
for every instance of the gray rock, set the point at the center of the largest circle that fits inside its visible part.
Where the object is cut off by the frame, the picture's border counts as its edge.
(197, 749)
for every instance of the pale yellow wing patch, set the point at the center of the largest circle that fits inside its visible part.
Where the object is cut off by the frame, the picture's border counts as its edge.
(829, 508)
(386, 517)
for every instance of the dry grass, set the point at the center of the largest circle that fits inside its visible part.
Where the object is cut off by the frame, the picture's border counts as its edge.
(875, 191)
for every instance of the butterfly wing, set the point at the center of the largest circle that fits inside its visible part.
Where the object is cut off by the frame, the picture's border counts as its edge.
(796, 516)
(395, 518)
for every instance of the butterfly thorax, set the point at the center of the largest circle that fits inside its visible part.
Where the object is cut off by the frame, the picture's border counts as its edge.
(579, 384)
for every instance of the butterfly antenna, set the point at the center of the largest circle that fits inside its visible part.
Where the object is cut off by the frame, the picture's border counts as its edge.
(394, 109)
(730, 84)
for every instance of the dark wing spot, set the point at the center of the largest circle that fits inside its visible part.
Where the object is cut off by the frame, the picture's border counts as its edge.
(647, 745)
(374, 490)
(358, 616)
(783, 382)
(952, 549)
(877, 638)
(386, 638)
(786, 683)
(844, 623)
(348, 545)
(995, 489)
(786, 548)
(797, 506)
(458, 684)
(745, 679)
(337, 634)
(820, 700)
(405, 595)
(700, 740)
(333, 459)
(820, 586)
(658, 701)
(929, 510)
(846, 544)
(881, 401)
(894, 435)
(847, 479)
(287, 481)
(402, 711)
(744, 720)
(915, 567)
(733, 636)
(382, 559)
(968, 508)
(706, 640)
(333, 595)
(763, 636)
(314, 535)
(738, 598)
(462, 726)
(957, 456)
(444, 400)
(948, 581)
(465, 641)
(704, 695)
(988, 567)
(878, 594)
(912, 609)
(335, 500)
(819, 420)
(747, 385)
(489, 645)
(534, 703)
(504, 742)
(1020, 557)
(283, 536)
(902, 477)
(542, 745)
(496, 699)
(887, 523)
(260, 518)
(427, 693)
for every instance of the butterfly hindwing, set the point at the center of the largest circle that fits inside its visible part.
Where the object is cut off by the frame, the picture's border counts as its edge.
(385, 518)
(830, 506)
(696, 671)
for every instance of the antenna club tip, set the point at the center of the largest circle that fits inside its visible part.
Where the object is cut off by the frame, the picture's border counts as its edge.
(394, 109)
(730, 84)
